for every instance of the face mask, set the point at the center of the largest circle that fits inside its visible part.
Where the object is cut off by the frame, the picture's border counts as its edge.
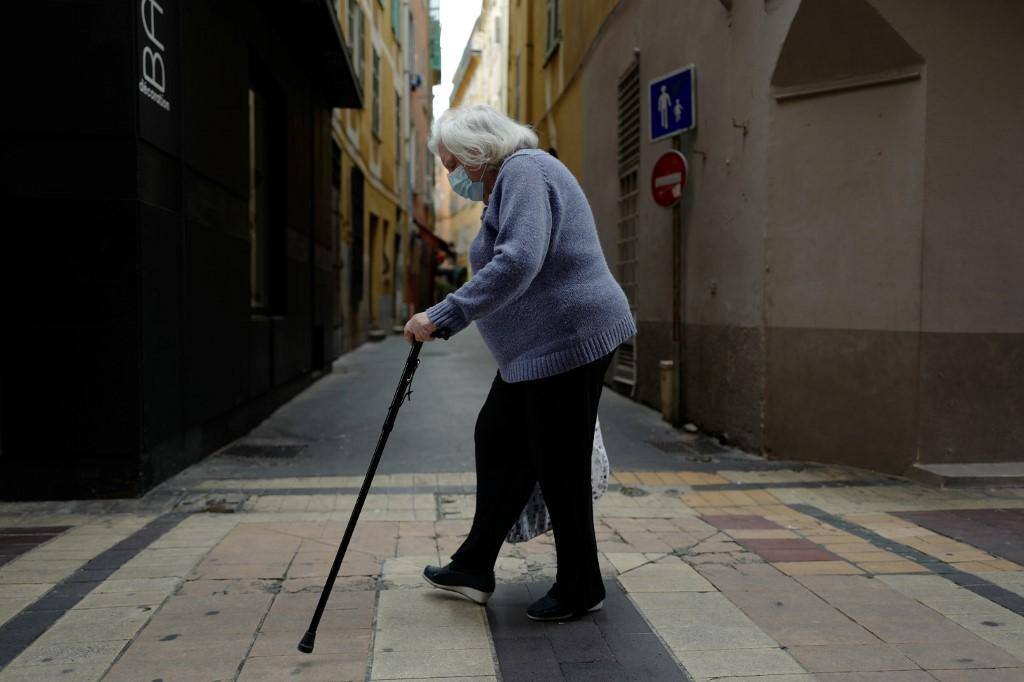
(464, 186)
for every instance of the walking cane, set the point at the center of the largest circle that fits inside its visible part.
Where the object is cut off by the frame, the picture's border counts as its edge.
(404, 389)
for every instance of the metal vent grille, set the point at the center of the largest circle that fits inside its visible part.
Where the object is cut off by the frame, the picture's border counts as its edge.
(625, 363)
(629, 118)
(629, 170)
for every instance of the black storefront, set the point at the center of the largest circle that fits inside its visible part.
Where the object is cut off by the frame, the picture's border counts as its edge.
(168, 257)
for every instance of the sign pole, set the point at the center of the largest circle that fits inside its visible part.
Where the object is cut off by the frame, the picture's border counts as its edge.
(672, 103)
(678, 298)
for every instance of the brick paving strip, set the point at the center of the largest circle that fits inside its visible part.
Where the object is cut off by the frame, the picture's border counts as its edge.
(691, 615)
(717, 582)
(243, 608)
(857, 626)
(226, 487)
(37, 617)
(241, 611)
(837, 626)
(970, 581)
(15, 541)
(90, 608)
(997, 531)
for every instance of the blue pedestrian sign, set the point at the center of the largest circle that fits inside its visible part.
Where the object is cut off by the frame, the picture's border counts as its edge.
(672, 103)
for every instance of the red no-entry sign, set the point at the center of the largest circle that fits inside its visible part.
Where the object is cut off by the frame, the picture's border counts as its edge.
(668, 178)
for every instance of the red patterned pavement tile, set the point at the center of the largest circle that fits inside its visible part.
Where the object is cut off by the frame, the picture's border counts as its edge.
(745, 521)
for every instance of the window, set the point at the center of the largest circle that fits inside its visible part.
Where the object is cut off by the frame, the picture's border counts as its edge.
(396, 7)
(336, 219)
(356, 37)
(386, 268)
(398, 141)
(554, 27)
(497, 30)
(375, 126)
(357, 218)
(412, 50)
(435, 42)
(336, 186)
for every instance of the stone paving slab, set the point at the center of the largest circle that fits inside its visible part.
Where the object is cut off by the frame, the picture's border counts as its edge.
(694, 591)
(999, 675)
(783, 583)
(614, 643)
(416, 636)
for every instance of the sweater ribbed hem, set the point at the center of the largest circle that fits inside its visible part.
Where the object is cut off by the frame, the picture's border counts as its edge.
(585, 352)
(447, 315)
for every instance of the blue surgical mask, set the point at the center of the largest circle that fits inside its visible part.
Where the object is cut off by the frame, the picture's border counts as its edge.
(464, 186)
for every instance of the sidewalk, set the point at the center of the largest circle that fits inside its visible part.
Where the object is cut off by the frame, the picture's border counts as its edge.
(747, 571)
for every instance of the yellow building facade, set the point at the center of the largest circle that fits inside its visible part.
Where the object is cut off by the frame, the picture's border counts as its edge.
(547, 42)
(372, 216)
(479, 79)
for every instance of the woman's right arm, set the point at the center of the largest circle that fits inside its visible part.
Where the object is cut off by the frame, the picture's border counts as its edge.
(524, 233)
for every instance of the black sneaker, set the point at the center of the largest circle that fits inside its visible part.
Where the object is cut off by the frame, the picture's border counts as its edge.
(550, 608)
(477, 587)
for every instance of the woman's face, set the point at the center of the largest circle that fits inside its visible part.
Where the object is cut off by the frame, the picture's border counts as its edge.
(450, 163)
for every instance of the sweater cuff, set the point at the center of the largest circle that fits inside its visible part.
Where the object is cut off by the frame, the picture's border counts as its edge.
(446, 314)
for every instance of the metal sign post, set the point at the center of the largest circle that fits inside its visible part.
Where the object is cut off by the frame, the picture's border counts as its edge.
(668, 180)
(678, 297)
(672, 110)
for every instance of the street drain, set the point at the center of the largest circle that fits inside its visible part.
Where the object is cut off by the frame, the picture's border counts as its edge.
(211, 503)
(263, 450)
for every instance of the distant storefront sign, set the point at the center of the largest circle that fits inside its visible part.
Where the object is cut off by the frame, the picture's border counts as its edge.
(157, 46)
(155, 31)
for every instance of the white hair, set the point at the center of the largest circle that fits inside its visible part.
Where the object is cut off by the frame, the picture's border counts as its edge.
(479, 134)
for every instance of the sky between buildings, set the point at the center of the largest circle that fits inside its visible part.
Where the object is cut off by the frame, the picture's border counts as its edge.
(457, 19)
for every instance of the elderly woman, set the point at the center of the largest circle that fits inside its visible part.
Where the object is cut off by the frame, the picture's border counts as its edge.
(552, 315)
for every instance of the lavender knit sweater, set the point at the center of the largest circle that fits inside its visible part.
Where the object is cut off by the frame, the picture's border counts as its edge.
(541, 293)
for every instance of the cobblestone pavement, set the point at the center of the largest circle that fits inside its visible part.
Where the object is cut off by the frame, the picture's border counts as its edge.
(718, 565)
(784, 575)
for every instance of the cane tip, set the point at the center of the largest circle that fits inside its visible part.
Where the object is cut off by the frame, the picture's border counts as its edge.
(308, 640)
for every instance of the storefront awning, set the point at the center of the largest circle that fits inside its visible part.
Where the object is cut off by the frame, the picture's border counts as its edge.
(314, 26)
(428, 236)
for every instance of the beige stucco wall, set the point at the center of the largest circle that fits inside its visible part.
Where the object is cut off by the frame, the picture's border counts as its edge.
(853, 259)
(971, 397)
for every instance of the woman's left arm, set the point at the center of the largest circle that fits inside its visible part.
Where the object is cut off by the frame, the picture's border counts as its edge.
(524, 233)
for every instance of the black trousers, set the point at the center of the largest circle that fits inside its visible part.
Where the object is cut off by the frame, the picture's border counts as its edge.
(540, 430)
